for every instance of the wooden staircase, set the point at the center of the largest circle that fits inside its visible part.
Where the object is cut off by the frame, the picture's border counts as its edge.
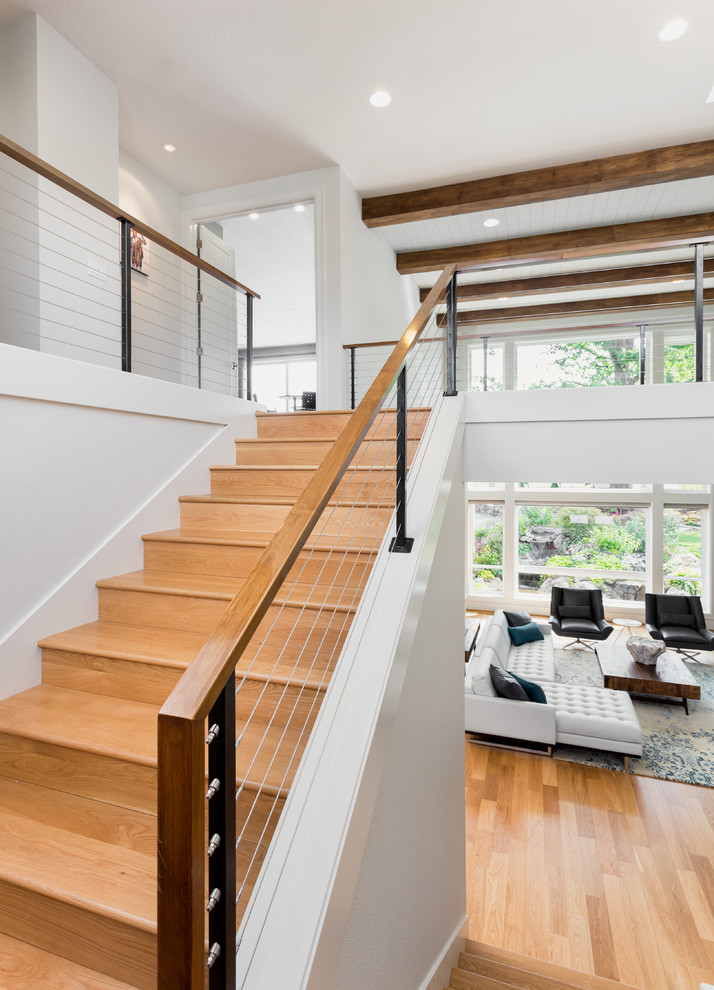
(78, 755)
(484, 967)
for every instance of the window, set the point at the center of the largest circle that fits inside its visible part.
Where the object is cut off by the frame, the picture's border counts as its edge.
(587, 546)
(622, 538)
(682, 539)
(487, 557)
(274, 381)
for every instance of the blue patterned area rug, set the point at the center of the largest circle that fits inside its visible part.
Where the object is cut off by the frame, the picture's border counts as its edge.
(675, 746)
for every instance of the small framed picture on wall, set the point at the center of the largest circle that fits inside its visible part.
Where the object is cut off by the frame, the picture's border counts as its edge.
(139, 253)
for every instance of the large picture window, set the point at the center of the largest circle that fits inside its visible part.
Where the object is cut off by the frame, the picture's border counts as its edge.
(601, 546)
(624, 539)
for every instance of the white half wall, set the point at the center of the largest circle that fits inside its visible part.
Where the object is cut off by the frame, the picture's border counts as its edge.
(411, 889)
(363, 883)
(654, 434)
(92, 458)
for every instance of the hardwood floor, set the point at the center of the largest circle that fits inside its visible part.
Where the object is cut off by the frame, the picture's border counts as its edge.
(604, 872)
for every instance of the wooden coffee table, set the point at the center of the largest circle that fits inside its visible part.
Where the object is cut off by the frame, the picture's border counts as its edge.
(668, 681)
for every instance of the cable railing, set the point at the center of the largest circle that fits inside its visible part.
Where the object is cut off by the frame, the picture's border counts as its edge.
(81, 278)
(658, 351)
(268, 664)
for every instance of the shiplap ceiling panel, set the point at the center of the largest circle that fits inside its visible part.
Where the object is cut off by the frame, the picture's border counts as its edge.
(427, 279)
(688, 196)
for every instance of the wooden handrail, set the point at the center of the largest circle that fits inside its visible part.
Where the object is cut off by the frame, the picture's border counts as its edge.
(40, 167)
(202, 682)
(181, 744)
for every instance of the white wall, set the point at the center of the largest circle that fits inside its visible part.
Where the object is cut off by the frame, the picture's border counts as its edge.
(411, 890)
(18, 82)
(148, 198)
(640, 433)
(91, 459)
(377, 302)
(78, 114)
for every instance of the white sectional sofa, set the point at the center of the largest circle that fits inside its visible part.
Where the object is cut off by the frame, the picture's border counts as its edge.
(597, 718)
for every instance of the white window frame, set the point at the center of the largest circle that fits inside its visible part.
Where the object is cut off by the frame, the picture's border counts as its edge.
(654, 502)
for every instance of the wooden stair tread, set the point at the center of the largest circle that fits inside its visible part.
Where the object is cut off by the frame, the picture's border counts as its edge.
(222, 588)
(78, 720)
(478, 954)
(238, 538)
(125, 642)
(250, 468)
(176, 649)
(98, 876)
(25, 967)
(81, 816)
(287, 500)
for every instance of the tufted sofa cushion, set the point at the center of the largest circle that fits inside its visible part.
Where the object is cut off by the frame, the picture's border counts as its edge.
(593, 713)
(533, 660)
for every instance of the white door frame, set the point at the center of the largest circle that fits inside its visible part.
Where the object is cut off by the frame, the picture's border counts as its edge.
(286, 197)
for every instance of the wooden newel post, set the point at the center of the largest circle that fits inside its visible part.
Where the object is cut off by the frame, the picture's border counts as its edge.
(181, 854)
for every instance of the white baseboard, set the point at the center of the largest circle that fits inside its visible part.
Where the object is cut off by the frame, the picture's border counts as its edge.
(440, 974)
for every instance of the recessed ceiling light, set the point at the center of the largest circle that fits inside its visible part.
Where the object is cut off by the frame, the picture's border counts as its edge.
(170, 148)
(254, 216)
(491, 222)
(502, 298)
(299, 208)
(380, 98)
(676, 281)
(710, 98)
(673, 30)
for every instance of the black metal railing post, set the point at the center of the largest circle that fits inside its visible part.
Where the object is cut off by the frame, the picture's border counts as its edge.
(401, 542)
(352, 377)
(642, 354)
(125, 238)
(451, 332)
(698, 312)
(221, 905)
(249, 347)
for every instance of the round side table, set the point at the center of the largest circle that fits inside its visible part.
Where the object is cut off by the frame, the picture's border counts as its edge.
(628, 624)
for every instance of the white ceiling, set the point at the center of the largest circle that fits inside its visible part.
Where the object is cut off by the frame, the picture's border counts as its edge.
(258, 89)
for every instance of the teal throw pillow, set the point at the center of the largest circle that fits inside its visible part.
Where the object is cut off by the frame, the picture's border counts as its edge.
(525, 634)
(534, 691)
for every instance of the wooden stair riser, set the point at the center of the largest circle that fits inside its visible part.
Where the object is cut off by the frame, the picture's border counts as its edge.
(118, 782)
(329, 425)
(26, 967)
(312, 452)
(100, 776)
(213, 513)
(345, 568)
(105, 944)
(278, 650)
(276, 705)
(112, 676)
(470, 981)
(376, 485)
(168, 610)
(257, 815)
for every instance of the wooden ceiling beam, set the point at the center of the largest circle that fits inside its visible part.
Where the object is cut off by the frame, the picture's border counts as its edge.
(597, 278)
(564, 244)
(534, 312)
(641, 168)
